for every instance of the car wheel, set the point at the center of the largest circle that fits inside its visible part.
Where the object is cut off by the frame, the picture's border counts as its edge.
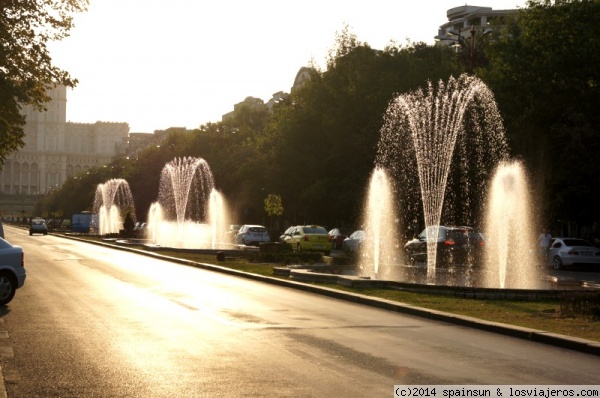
(298, 247)
(30, 233)
(557, 263)
(8, 287)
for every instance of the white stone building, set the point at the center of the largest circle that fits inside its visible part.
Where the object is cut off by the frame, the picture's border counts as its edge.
(462, 19)
(55, 150)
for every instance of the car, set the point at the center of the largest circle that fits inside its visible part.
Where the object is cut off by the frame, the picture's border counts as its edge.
(355, 241)
(569, 252)
(252, 235)
(309, 237)
(38, 226)
(337, 236)
(455, 245)
(231, 232)
(12, 270)
(287, 232)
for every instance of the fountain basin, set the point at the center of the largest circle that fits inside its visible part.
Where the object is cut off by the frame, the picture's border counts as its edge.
(553, 287)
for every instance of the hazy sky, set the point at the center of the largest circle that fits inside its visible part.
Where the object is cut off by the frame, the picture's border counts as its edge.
(182, 63)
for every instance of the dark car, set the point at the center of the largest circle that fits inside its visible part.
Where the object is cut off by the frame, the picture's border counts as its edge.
(38, 226)
(455, 245)
(337, 236)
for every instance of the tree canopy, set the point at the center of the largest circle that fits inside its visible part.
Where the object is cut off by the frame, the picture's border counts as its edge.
(26, 69)
(544, 71)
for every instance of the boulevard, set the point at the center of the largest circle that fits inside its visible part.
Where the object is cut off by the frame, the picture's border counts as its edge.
(92, 321)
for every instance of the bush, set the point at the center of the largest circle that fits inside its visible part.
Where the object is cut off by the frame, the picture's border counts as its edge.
(586, 304)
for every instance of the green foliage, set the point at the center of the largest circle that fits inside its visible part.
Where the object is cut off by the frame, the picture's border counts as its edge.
(26, 70)
(580, 304)
(128, 223)
(544, 71)
(273, 205)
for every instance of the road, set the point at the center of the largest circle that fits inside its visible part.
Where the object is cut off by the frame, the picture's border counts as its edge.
(92, 321)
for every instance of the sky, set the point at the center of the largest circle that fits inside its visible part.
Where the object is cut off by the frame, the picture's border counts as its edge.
(183, 63)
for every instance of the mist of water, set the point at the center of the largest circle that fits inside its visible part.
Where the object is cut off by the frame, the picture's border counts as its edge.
(380, 250)
(190, 212)
(510, 242)
(112, 201)
(449, 132)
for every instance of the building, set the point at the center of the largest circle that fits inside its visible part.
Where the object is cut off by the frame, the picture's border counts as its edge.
(56, 150)
(461, 20)
(303, 75)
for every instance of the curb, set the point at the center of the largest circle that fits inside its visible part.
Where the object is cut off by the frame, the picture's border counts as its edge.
(540, 336)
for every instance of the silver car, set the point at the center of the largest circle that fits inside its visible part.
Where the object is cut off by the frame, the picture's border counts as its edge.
(12, 271)
(252, 235)
(354, 241)
(567, 252)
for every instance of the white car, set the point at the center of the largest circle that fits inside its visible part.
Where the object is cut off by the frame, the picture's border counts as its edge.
(354, 241)
(12, 271)
(567, 252)
(252, 235)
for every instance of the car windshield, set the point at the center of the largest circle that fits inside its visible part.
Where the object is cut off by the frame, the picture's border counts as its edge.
(315, 230)
(258, 229)
(37, 222)
(576, 242)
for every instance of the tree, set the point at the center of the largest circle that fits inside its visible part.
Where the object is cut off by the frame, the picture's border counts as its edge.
(26, 70)
(544, 71)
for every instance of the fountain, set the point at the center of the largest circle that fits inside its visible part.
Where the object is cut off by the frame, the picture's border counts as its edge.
(381, 224)
(112, 201)
(190, 212)
(510, 258)
(449, 136)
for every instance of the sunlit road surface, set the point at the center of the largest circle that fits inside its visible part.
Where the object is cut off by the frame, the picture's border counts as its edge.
(98, 322)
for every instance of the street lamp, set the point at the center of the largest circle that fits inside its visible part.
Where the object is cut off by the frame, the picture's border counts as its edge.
(471, 48)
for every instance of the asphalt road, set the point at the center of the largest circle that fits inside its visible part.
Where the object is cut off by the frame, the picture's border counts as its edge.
(92, 321)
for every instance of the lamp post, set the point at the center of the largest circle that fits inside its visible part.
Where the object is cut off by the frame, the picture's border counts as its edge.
(471, 48)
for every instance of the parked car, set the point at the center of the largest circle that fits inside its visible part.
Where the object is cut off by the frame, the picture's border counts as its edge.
(252, 235)
(12, 271)
(568, 252)
(231, 232)
(38, 226)
(287, 232)
(309, 237)
(337, 236)
(355, 241)
(455, 245)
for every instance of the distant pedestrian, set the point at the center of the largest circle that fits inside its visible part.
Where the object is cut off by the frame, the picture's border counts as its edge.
(544, 240)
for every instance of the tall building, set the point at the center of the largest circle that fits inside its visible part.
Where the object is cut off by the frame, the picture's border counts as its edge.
(55, 150)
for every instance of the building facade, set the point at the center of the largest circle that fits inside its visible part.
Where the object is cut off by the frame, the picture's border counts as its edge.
(56, 150)
(461, 20)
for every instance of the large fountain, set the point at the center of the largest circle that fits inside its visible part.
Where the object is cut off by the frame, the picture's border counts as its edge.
(112, 201)
(451, 135)
(190, 212)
